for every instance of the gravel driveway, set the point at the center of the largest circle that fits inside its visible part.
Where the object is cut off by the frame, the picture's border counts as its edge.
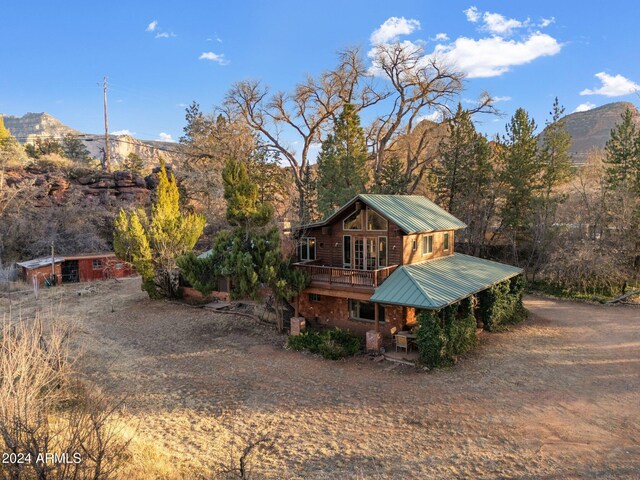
(555, 397)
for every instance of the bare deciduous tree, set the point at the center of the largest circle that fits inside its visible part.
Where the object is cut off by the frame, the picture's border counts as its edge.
(306, 112)
(416, 84)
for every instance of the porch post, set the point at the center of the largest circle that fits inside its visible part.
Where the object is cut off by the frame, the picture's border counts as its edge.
(376, 317)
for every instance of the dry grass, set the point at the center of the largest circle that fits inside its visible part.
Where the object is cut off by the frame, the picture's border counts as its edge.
(557, 397)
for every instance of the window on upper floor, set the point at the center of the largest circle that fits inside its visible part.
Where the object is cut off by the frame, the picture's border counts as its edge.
(445, 242)
(375, 221)
(353, 221)
(307, 249)
(427, 244)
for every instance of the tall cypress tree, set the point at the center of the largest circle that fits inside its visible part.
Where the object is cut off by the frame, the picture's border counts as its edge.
(153, 244)
(342, 163)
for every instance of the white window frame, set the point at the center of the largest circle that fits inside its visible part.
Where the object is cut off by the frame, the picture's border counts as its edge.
(366, 221)
(446, 238)
(353, 229)
(427, 251)
(304, 247)
(386, 251)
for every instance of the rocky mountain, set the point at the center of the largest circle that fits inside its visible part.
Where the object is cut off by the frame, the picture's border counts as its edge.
(591, 129)
(31, 126)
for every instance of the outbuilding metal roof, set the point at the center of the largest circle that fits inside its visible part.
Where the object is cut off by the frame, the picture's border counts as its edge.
(411, 213)
(434, 284)
(38, 262)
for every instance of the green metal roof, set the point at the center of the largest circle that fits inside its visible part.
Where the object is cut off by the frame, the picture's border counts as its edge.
(437, 283)
(412, 213)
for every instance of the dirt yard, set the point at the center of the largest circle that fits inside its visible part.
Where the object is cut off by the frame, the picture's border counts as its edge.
(556, 397)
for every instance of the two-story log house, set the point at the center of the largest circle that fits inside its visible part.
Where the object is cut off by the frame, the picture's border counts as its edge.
(381, 258)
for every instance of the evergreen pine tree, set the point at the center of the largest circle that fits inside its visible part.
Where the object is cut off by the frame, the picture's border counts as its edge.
(392, 179)
(623, 154)
(465, 179)
(520, 178)
(342, 163)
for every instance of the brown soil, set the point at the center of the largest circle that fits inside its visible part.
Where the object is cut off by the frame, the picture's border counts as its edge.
(556, 397)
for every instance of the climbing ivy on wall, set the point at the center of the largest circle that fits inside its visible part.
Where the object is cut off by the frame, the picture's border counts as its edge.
(501, 304)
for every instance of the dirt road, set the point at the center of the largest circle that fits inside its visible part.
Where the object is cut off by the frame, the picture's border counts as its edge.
(556, 397)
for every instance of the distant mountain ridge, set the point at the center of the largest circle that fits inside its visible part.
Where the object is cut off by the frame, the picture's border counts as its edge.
(34, 125)
(590, 130)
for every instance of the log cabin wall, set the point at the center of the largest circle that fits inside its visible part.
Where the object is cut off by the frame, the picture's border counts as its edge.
(414, 256)
(329, 241)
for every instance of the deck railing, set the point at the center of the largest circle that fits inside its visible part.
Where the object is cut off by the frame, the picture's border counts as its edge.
(347, 277)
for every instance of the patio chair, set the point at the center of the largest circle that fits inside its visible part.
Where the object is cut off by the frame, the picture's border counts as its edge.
(402, 342)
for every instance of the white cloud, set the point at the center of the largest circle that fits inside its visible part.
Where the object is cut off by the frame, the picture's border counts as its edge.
(152, 26)
(214, 57)
(165, 137)
(472, 13)
(435, 116)
(392, 28)
(165, 35)
(123, 132)
(584, 107)
(545, 22)
(491, 57)
(182, 105)
(499, 24)
(612, 86)
(498, 98)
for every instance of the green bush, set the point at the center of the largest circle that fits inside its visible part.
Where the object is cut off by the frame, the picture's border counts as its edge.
(331, 344)
(432, 340)
(462, 329)
(445, 334)
(501, 304)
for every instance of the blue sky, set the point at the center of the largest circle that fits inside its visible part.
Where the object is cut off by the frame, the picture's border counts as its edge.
(160, 56)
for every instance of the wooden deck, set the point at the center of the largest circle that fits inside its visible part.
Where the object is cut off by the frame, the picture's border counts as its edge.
(322, 275)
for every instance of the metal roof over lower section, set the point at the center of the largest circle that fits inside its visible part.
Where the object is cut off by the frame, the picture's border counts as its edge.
(38, 262)
(434, 284)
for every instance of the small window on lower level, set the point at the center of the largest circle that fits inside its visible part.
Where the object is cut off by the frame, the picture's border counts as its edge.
(97, 264)
(314, 297)
(118, 266)
(365, 311)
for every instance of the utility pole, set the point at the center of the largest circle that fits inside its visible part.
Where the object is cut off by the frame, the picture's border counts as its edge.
(53, 263)
(107, 159)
